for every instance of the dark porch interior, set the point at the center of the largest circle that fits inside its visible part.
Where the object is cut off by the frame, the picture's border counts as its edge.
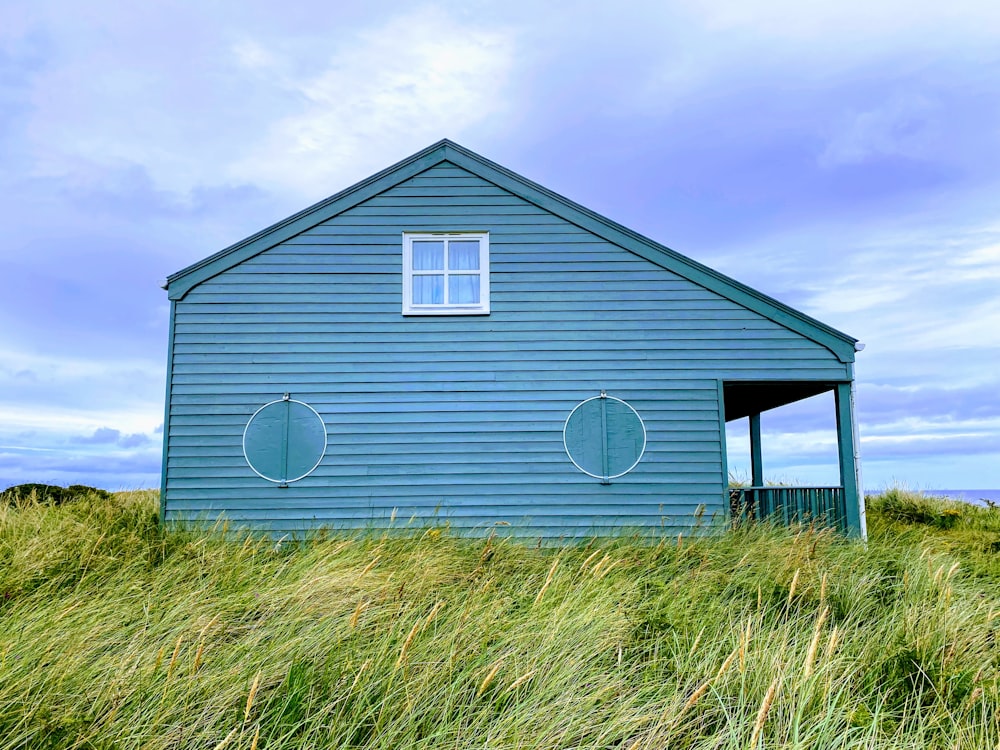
(743, 399)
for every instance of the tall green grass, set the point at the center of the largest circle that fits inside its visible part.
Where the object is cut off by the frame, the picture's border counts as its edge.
(117, 634)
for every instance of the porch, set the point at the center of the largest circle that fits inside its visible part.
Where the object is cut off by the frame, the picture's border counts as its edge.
(840, 506)
(790, 504)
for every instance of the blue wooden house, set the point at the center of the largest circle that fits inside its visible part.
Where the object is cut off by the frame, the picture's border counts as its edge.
(448, 341)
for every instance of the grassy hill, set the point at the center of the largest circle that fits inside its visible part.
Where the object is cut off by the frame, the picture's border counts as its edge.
(117, 634)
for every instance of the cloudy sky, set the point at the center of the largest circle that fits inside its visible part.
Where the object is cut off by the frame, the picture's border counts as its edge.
(843, 157)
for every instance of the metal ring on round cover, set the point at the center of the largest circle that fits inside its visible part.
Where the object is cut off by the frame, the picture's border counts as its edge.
(283, 437)
(615, 439)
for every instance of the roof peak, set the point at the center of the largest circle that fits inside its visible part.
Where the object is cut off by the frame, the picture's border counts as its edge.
(178, 284)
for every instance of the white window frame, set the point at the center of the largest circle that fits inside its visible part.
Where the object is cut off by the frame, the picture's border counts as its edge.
(481, 308)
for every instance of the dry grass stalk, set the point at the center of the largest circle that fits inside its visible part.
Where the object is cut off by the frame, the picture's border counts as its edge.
(253, 694)
(728, 662)
(697, 640)
(680, 542)
(607, 569)
(939, 575)
(791, 588)
(357, 677)
(368, 567)
(256, 739)
(745, 635)
(227, 739)
(341, 545)
(489, 676)
(548, 580)
(205, 629)
(832, 645)
(173, 659)
(822, 591)
(765, 707)
(590, 557)
(66, 611)
(695, 697)
(521, 680)
(362, 606)
(197, 658)
(434, 611)
(597, 568)
(488, 547)
(814, 644)
(159, 657)
(974, 697)
(406, 645)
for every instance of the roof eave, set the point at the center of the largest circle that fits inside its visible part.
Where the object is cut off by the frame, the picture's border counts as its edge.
(841, 344)
(180, 283)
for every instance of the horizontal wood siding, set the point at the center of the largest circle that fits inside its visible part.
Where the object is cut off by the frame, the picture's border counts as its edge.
(459, 419)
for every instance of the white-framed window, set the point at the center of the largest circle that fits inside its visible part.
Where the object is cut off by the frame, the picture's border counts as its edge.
(446, 273)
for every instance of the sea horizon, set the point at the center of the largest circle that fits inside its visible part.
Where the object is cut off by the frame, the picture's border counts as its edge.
(976, 497)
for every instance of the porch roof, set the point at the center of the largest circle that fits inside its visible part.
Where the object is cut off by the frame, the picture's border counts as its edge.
(745, 398)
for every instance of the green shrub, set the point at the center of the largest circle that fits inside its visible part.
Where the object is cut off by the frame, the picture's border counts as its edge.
(49, 494)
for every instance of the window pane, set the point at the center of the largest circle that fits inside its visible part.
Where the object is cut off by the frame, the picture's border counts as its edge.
(428, 290)
(463, 289)
(463, 255)
(428, 256)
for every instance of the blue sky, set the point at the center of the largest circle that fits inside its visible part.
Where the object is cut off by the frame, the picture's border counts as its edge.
(844, 159)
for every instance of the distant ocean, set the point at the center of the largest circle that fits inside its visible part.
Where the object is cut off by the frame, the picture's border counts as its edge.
(978, 497)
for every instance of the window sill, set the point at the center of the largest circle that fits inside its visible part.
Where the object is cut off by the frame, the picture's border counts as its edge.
(446, 311)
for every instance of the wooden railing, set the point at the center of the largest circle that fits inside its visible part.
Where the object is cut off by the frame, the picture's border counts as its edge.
(823, 505)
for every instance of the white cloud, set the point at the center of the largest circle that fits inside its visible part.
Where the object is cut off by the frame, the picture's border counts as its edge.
(903, 126)
(982, 260)
(197, 101)
(61, 421)
(389, 90)
(811, 21)
(252, 55)
(925, 300)
(59, 395)
(923, 289)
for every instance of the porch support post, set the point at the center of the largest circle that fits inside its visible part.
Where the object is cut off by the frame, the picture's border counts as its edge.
(756, 455)
(850, 465)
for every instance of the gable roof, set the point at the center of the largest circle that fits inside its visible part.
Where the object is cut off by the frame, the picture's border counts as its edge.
(180, 283)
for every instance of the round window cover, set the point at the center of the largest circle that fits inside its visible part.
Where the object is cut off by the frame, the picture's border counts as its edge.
(284, 441)
(604, 437)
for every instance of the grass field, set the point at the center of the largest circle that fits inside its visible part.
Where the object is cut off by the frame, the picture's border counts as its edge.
(117, 634)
